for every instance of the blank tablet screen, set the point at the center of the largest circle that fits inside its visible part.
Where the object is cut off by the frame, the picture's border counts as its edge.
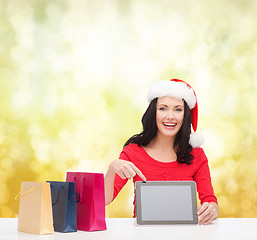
(166, 202)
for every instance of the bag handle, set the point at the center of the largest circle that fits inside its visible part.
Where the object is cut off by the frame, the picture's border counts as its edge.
(58, 196)
(81, 190)
(78, 197)
(19, 196)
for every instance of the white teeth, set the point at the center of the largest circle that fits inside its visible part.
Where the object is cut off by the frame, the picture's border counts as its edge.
(169, 124)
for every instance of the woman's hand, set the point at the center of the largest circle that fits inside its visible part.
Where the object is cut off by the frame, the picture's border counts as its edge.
(125, 169)
(207, 212)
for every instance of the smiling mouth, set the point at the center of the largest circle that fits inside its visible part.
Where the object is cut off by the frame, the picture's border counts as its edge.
(169, 124)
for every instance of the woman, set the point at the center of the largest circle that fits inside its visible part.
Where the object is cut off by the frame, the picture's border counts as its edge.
(166, 150)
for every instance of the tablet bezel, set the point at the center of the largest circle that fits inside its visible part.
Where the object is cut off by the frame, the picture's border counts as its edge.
(138, 203)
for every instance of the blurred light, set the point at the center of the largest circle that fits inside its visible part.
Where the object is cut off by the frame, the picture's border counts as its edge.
(6, 163)
(42, 151)
(203, 78)
(74, 78)
(34, 129)
(21, 98)
(50, 104)
(232, 186)
(15, 153)
(212, 139)
(246, 30)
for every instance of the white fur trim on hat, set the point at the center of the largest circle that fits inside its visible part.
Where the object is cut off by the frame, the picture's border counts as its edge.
(196, 140)
(172, 89)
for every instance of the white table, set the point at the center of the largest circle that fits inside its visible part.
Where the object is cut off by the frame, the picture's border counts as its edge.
(126, 229)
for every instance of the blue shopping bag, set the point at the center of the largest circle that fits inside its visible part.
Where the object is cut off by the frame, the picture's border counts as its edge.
(64, 206)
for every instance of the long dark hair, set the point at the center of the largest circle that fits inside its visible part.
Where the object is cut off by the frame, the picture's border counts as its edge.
(181, 144)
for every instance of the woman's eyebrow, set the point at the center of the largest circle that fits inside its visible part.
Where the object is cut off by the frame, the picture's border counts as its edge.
(161, 104)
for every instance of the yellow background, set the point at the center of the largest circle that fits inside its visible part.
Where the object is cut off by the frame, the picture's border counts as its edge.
(74, 76)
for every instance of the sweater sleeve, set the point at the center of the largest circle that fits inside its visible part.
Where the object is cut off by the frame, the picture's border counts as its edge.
(203, 179)
(119, 183)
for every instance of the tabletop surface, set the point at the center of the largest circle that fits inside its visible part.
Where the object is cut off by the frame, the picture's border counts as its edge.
(127, 229)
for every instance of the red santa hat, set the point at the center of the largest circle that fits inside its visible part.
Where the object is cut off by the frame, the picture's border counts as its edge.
(182, 90)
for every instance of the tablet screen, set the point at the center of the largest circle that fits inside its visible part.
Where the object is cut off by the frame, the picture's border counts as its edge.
(166, 202)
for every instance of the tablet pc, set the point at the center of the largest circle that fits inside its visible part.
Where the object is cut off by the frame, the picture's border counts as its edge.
(166, 202)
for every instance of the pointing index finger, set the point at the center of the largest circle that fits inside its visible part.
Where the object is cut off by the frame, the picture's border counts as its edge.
(139, 173)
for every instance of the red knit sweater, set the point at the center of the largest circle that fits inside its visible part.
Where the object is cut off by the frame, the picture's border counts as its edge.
(154, 170)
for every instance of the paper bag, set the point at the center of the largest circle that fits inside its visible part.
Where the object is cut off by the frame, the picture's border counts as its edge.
(64, 206)
(35, 210)
(91, 207)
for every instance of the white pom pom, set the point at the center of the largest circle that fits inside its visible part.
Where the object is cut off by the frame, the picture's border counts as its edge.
(196, 140)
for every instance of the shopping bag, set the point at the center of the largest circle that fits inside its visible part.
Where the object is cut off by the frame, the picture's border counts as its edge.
(64, 206)
(91, 207)
(35, 210)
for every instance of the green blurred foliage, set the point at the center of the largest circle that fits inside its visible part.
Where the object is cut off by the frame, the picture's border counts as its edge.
(74, 76)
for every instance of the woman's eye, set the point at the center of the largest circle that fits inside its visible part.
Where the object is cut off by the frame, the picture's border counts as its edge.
(162, 108)
(179, 110)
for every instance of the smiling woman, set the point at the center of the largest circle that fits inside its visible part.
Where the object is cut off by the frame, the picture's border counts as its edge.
(164, 151)
(169, 115)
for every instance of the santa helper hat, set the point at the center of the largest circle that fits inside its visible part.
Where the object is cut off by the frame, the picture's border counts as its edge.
(182, 90)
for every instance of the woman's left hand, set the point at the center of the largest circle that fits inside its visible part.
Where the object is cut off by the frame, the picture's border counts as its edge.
(207, 212)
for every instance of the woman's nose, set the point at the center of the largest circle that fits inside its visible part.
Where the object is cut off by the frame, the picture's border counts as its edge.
(170, 115)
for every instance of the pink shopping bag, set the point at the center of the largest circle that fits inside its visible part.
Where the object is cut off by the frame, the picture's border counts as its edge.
(91, 205)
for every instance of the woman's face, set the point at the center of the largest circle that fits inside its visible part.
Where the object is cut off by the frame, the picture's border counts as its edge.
(169, 115)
